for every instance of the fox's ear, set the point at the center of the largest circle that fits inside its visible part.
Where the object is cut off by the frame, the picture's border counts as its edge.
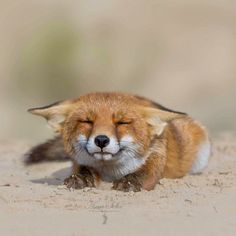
(158, 119)
(55, 113)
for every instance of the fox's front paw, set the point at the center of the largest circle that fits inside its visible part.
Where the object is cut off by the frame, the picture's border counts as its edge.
(79, 181)
(127, 183)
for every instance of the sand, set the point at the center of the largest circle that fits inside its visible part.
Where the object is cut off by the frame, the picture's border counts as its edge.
(33, 200)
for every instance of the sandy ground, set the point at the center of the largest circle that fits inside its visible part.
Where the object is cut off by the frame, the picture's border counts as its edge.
(34, 202)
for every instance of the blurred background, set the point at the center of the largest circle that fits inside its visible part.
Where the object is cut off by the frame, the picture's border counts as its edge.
(181, 54)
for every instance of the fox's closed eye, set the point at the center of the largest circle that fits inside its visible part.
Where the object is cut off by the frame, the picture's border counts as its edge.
(86, 121)
(124, 122)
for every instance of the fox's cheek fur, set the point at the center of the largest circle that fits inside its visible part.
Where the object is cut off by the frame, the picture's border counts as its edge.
(140, 133)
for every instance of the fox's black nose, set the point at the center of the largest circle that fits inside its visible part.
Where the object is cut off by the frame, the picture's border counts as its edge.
(102, 141)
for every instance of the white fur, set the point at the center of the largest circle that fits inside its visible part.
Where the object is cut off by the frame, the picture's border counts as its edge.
(110, 166)
(202, 159)
(112, 147)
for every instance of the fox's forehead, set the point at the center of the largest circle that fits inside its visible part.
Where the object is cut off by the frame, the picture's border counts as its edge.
(114, 99)
(109, 106)
(103, 100)
(105, 110)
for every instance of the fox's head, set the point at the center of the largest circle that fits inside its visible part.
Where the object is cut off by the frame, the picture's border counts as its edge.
(103, 129)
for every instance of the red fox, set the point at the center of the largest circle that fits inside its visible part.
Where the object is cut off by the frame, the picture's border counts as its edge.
(128, 140)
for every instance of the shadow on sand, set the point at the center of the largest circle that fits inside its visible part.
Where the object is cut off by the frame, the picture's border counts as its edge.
(57, 178)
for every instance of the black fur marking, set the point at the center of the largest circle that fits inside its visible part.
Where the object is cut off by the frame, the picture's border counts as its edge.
(45, 107)
(52, 150)
(159, 106)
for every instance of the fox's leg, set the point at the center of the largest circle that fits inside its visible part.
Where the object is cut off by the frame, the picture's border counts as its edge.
(145, 178)
(81, 177)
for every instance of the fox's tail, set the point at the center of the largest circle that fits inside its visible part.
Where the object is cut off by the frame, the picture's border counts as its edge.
(52, 150)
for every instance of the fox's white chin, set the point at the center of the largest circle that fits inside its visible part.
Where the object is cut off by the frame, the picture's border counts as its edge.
(103, 156)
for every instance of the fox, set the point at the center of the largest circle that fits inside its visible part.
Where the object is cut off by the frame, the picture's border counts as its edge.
(127, 140)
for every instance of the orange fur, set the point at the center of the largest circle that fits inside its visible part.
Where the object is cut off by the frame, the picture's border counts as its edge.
(184, 137)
